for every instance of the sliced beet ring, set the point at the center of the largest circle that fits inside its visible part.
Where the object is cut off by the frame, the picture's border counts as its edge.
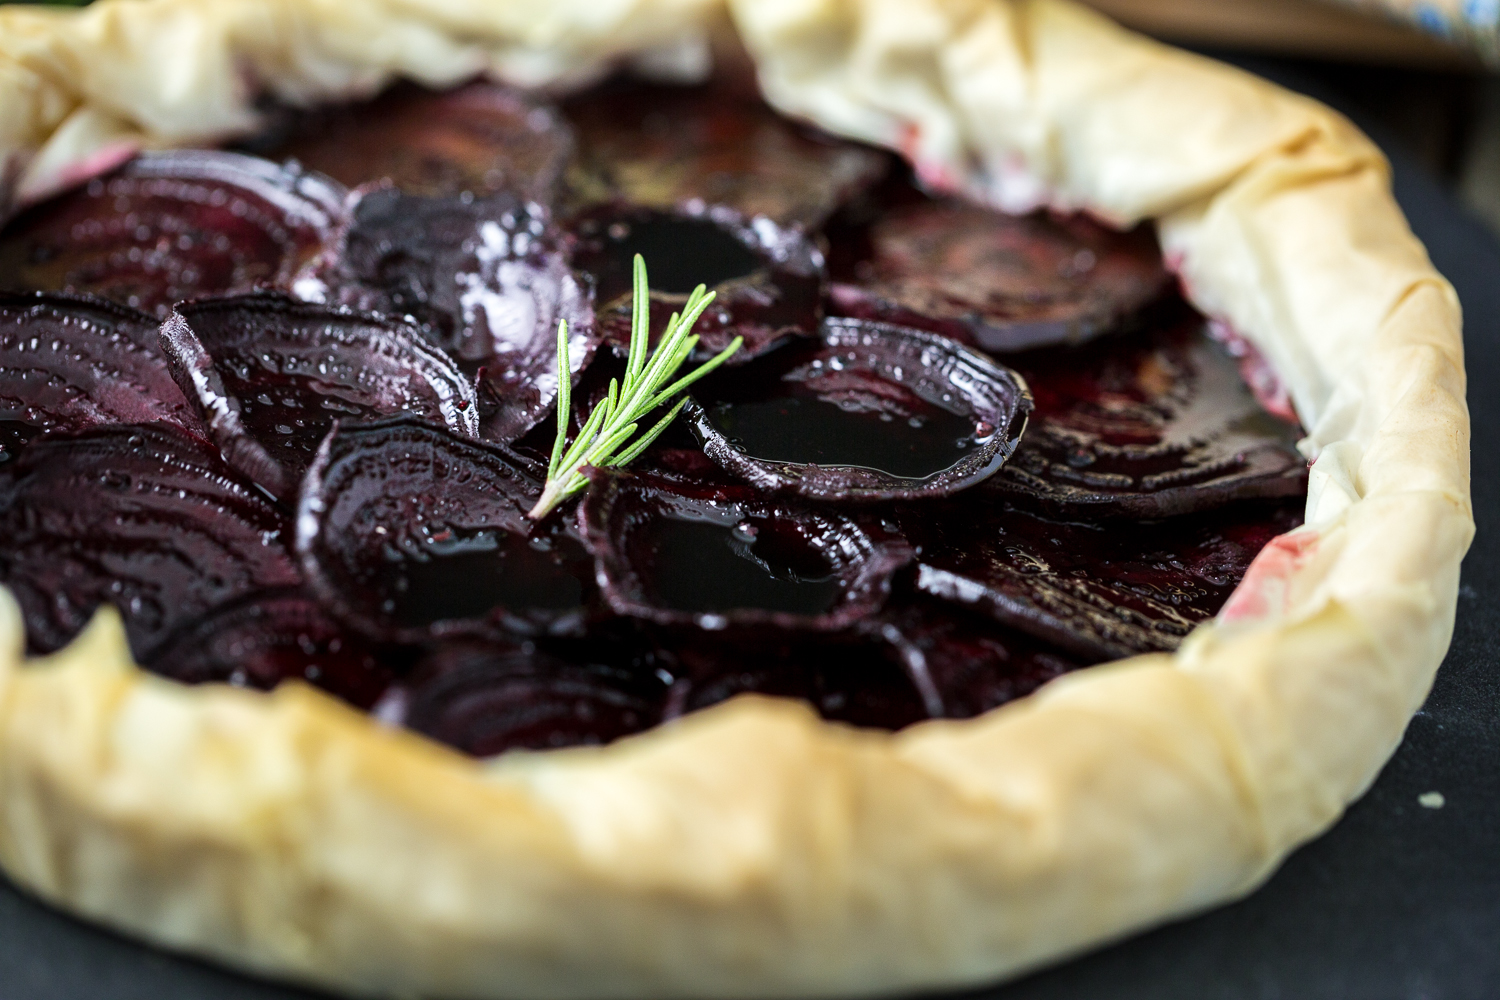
(172, 226)
(766, 279)
(870, 412)
(410, 533)
(725, 559)
(271, 375)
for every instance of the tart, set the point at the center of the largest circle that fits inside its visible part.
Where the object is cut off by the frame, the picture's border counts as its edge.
(750, 847)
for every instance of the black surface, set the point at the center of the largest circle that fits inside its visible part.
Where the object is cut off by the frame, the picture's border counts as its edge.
(1397, 901)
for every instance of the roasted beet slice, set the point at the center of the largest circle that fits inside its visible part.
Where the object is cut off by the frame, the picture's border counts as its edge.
(1100, 592)
(963, 664)
(71, 363)
(269, 638)
(146, 518)
(271, 375)
(1149, 424)
(486, 698)
(486, 278)
(999, 282)
(173, 226)
(869, 412)
(408, 532)
(479, 138)
(858, 679)
(766, 279)
(719, 557)
(686, 148)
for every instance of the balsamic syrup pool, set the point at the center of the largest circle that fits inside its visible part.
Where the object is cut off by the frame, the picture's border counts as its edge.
(707, 567)
(683, 252)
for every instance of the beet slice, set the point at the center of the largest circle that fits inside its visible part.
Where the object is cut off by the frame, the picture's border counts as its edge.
(271, 375)
(869, 412)
(269, 638)
(1146, 425)
(146, 518)
(857, 679)
(487, 698)
(71, 363)
(408, 532)
(479, 138)
(720, 558)
(1099, 592)
(487, 279)
(766, 279)
(172, 226)
(999, 282)
(686, 148)
(963, 664)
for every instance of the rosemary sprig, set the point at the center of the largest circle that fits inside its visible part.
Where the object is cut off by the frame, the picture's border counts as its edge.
(602, 442)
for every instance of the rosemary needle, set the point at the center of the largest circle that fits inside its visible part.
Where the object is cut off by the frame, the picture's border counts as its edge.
(605, 440)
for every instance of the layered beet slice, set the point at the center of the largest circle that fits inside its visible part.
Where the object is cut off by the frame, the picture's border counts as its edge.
(71, 363)
(691, 148)
(485, 698)
(271, 375)
(998, 282)
(718, 558)
(172, 226)
(487, 279)
(479, 138)
(867, 412)
(408, 532)
(1150, 424)
(1100, 592)
(766, 279)
(146, 518)
(272, 637)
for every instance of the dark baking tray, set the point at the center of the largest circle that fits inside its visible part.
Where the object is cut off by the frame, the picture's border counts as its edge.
(1397, 902)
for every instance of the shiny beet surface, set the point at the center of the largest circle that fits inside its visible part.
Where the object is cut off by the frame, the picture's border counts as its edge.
(1098, 592)
(1147, 424)
(687, 148)
(173, 226)
(486, 698)
(71, 363)
(868, 412)
(146, 518)
(271, 637)
(997, 282)
(409, 533)
(271, 375)
(480, 138)
(766, 279)
(487, 279)
(722, 558)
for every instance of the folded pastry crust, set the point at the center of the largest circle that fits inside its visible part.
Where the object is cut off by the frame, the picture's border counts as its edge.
(752, 850)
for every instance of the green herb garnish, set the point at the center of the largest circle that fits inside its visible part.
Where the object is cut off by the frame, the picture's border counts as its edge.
(605, 440)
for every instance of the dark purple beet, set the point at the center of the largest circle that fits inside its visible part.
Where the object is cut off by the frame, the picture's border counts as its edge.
(480, 138)
(1099, 591)
(965, 665)
(1146, 425)
(998, 282)
(408, 533)
(855, 679)
(173, 226)
(486, 698)
(718, 558)
(270, 376)
(269, 638)
(486, 278)
(766, 279)
(146, 518)
(869, 412)
(687, 148)
(72, 363)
